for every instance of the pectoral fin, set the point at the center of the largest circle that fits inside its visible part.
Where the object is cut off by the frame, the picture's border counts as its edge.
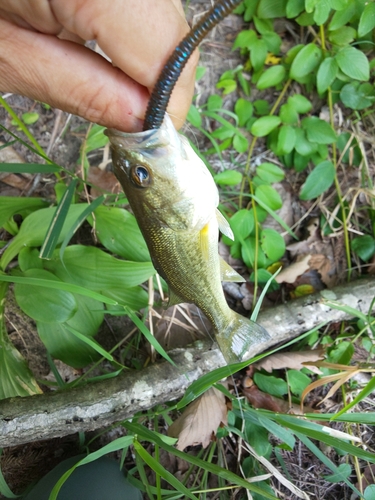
(174, 299)
(224, 225)
(204, 236)
(228, 273)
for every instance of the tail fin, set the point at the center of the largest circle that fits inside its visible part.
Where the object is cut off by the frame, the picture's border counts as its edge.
(240, 338)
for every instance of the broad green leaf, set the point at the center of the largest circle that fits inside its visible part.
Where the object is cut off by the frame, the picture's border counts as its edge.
(268, 9)
(297, 381)
(244, 110)
(228, 178)
(343, 472)
(342, 353)
(30, 117)
(250, 250)
(303, 145)
(271, 385)
(369, 493)
(33, 230)
(118, 231)
(364, 246)
(11, 205)
(258, 54)
(57, 222)
(286, 140)
(300, 103)
(91, 343)
(305, 61)
(29, 168)
(288, 114)
(367, 20)
(343, 36)
(269, 196)
(245, 39)
(242, 224)
(264, 125)
(257, 436)
(28, 258)
(318, 130)
(228, 85)
(134, 297)
(272, 243)
(271, 77)
(240, 143)
(353, 63)
(270, 172)
(357, 95)
(327, 73)
(42, 305)
(194, 116)
(15, 377)
(62, 344)
(294, 8)
(214, 102)
(84, 265)
(318, 181)
(322, 11)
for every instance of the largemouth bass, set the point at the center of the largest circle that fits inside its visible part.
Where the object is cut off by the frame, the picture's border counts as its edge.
(174, 199)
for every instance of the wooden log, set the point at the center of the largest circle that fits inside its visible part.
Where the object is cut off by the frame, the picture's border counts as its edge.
(97, 405)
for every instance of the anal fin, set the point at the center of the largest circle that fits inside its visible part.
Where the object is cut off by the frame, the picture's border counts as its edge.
(227, 273)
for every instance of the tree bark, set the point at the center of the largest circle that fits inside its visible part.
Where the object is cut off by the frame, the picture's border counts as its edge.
(101, 404)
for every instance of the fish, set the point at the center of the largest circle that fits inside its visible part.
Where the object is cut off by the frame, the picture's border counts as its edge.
(175, 201)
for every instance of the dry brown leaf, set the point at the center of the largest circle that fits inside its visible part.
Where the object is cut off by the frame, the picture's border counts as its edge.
(200, 419)
(260, 399)
(291, 273)
(103, 182)
(293, 360)
(325, 268)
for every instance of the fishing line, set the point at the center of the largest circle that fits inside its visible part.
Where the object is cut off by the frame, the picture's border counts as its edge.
(161, 93)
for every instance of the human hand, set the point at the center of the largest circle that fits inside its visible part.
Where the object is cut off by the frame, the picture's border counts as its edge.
(42, 56)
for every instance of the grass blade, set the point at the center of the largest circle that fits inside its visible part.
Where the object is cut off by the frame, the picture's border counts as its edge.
(90, 342)
(57, 222)
(29, 168)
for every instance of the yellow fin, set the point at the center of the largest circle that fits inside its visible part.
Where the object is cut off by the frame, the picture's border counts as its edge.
(205, 240)
(224, 225)
(228, 273)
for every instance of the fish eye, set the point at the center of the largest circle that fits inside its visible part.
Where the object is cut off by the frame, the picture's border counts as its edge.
(140, 176)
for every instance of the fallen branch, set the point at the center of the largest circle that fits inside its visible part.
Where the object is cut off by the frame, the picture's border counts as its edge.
(98, 405)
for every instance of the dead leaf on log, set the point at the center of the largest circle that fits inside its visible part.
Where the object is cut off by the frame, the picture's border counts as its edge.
(291, 273)
(200, 420)
(293, 360)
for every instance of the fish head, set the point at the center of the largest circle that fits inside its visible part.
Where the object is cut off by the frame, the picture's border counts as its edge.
(163, 178)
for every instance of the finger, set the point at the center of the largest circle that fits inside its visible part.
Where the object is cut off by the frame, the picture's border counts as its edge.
(70, 77)
(138, 36)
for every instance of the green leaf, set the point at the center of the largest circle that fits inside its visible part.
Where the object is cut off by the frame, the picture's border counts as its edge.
(268, 9)
(270, 172)
(327, 73)
(228, 178)
(272, 243)
(214, 102)
(15, 377)
(258, 54)
(40, 304)
(321, 12)
(369, 493)
(240, 143)
(118, 231)
(83, 265)
(294, 8)
(244, 110)
(33, 230)
(342, 353)
(302, 145)
(353, 63)
(58, 285)
(286, 140)
(29, 168)
(305, 61)
(288, 114)
(91, 343)
(245, 39)
(269, 196)
(229, 85)
(194, 116)
(57, 223)
(367, 20)
(271, 385)
(264, 125)
(300, 103)
(297, 381)
(30, 117)
(318, 130)
(357, 95)
(62, 344)
(242, 224)
(364, 246)
(343, 36)
(318, 181)
(271, 77)
(249, 251)
(11, 205)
